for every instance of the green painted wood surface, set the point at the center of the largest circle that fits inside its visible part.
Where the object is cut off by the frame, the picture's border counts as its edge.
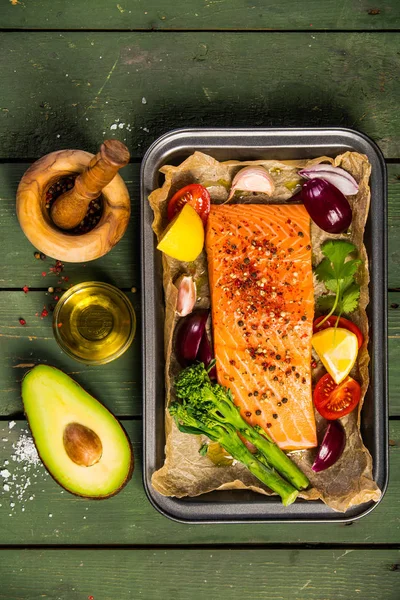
(175, 574)
(72, 89)
(201, 14)
(121, 266)
(55, 517)
(19, 267)
(117, 384)
(68, 90)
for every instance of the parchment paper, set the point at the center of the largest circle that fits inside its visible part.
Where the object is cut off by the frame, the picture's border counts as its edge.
(185, 472)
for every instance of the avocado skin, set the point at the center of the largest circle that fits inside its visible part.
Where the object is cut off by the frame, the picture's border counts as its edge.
(129, 474)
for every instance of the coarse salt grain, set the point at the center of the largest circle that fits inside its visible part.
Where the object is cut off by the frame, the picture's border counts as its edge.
(25, 450)
(11, 424)
(26, 468)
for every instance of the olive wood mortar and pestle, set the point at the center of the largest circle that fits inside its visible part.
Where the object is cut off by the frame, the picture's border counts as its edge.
(49, 230)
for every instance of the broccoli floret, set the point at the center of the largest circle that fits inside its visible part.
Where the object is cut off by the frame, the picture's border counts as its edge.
(207, 408)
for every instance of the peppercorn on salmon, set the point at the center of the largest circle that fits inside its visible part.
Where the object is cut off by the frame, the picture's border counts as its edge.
(262, 297)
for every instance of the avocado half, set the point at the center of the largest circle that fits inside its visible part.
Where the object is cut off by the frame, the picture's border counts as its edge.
(82, 445)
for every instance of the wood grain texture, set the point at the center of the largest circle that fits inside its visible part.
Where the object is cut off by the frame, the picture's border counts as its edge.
(69, 90)
(176, 574)
(200, 14)
(116, 384)
(38, 227)
(56, 517)
(70, 208)
(122, 265)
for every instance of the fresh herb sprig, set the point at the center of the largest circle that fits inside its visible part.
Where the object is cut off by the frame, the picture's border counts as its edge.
(337, 271)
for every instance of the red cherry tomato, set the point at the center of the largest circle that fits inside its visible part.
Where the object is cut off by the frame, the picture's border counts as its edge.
(334, 401)
(194, 194)
(343, 323)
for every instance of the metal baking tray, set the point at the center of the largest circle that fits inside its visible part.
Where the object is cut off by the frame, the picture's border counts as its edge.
(251, 144)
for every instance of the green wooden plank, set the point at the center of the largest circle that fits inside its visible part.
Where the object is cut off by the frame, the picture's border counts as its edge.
(394, 352)
(393, 226)
(121, 266)
(200, 14)
(199, 573)
(116, 384)
(68, 90)
(56, 517)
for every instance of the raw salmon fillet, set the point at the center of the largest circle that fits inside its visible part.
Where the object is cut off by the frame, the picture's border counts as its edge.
(259, 263)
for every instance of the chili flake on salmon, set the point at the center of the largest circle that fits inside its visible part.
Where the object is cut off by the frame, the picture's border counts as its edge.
(262, 297)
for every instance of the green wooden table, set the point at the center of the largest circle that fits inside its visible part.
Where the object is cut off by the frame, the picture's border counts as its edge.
(76, 72)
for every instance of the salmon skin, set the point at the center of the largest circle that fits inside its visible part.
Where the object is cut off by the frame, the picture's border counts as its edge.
(262, 298)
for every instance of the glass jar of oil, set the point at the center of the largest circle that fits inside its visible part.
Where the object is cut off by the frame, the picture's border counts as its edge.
(94, 322)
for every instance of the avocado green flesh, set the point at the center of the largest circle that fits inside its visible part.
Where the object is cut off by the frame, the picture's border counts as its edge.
(52, 400)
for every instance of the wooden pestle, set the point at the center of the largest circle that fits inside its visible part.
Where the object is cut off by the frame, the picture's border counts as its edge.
(70, 208)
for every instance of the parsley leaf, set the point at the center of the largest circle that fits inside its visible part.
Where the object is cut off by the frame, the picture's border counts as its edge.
(350, 299)
(325, 303)
(337, 251)
(324, 270)
(337, 271)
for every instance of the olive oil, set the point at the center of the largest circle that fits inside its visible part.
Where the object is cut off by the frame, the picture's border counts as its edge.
(94, 322)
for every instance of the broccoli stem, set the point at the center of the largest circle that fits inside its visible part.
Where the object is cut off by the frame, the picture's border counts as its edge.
(275, 456)
(209, 409)
(261, 470)
(226, 411)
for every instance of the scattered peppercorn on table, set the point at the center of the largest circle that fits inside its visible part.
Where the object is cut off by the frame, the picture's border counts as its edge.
(74, 74)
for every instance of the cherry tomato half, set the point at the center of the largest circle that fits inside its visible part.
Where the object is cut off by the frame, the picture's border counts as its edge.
(334, 401)
(194, 194)
(343, 323)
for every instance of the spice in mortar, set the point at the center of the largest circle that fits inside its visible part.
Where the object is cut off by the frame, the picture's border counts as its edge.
(94, 212)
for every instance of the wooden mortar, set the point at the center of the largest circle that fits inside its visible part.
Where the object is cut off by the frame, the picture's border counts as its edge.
(35, 219)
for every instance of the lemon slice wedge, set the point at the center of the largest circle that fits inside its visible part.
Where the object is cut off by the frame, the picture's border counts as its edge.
(337, 349)
(183, 239)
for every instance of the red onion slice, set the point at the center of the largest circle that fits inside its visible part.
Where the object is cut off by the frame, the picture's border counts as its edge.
(335, 175)
(326, 205)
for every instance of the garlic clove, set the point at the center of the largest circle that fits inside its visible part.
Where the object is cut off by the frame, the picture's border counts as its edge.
(252, 179)
(335, 175)
(187, 294)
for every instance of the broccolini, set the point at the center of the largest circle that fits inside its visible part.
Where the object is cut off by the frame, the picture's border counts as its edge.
(207, 408)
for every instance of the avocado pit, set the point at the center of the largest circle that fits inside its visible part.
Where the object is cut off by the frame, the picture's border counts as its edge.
(82, 445)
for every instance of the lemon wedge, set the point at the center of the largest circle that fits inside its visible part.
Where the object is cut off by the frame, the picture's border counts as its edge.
(337, 349)
(183, 239)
